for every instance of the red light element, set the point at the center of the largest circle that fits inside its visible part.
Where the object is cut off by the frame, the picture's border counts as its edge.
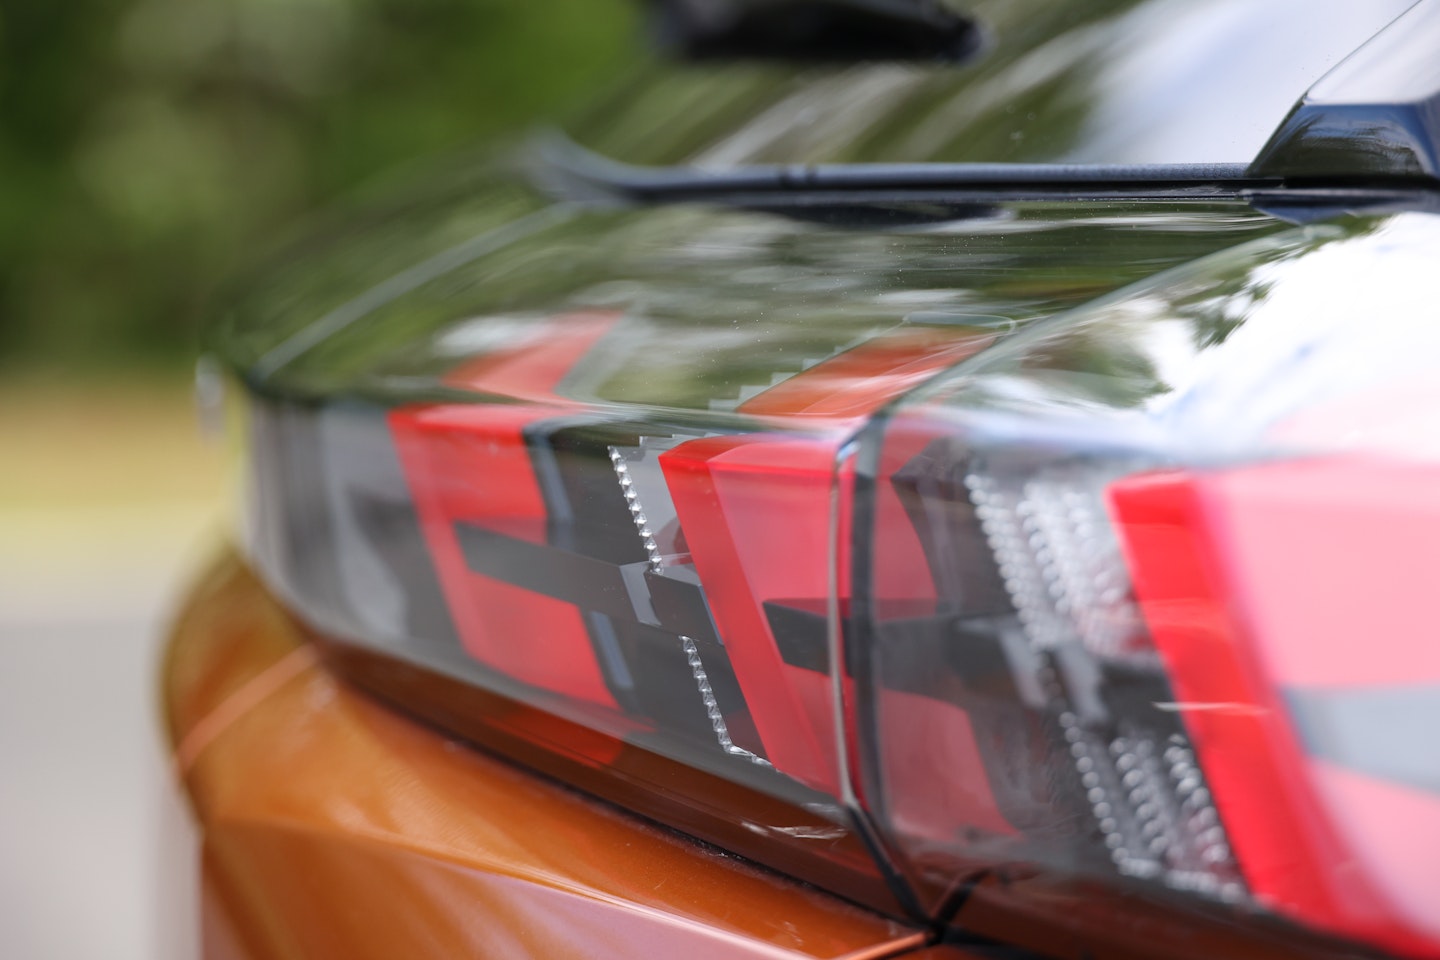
(756, 515)
(1280, 577)
(926, 799)
(469, 463)
(1348, 553)
(903, 572)
(1394, 840)
(756, 511)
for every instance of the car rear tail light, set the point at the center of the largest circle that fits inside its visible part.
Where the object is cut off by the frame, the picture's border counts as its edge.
(1261, 585)
(1153, 582)
(622, 581)
(912, 615)
(1031, 665)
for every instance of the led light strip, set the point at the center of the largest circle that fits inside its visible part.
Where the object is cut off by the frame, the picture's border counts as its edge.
(637, 512)
(1064, 578)
(692, 652)
(712, 707)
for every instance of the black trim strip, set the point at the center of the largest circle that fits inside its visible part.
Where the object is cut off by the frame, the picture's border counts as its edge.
(580, 173)
(577, 174)
(629, 592)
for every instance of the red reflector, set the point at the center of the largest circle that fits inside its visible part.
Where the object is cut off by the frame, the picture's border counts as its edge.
(1268, 590)
(470, 465)
(756, 515)
(652, 571)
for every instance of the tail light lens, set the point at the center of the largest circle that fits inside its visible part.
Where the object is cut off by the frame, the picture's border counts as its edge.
(625, 584)
(1106, 599)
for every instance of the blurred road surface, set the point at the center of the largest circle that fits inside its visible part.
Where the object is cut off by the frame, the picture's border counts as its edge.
(108, 501)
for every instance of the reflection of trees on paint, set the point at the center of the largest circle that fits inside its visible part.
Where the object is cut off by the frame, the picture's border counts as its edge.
(714, 301)
(1027, 97)
(1117, 355)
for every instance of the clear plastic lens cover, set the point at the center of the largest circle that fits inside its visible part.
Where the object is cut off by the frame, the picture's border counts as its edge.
(1141, 572)
(879, 548)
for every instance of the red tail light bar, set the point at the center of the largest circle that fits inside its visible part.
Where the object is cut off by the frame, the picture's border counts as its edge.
(1305, 677)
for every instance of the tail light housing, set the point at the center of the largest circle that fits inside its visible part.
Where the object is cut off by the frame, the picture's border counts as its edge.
(1123, 597)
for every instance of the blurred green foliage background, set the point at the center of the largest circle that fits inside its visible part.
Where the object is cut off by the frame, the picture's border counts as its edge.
(148, 147)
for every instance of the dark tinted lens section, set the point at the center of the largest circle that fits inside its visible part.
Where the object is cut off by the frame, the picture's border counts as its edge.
(331, 525)
(1002, 636)
(632, 596)
(519, 575)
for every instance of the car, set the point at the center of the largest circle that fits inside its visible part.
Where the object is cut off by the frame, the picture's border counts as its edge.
(890, 479)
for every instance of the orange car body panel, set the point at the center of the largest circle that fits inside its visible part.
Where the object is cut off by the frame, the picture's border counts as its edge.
(335, 827)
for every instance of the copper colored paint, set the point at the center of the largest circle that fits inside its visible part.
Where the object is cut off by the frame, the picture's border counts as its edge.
(334, 827)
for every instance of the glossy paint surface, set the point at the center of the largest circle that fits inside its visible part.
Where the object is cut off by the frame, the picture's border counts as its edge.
(714, 300)
(1377, 114)
(1119, 81)
(335, 828)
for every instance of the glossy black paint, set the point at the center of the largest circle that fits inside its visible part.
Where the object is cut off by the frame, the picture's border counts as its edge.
(702, 283)
(1106, 81)
(1375, 116)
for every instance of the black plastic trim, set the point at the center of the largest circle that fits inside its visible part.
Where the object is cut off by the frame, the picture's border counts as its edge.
(1375, 115)
(898, 194)
(580, 174)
